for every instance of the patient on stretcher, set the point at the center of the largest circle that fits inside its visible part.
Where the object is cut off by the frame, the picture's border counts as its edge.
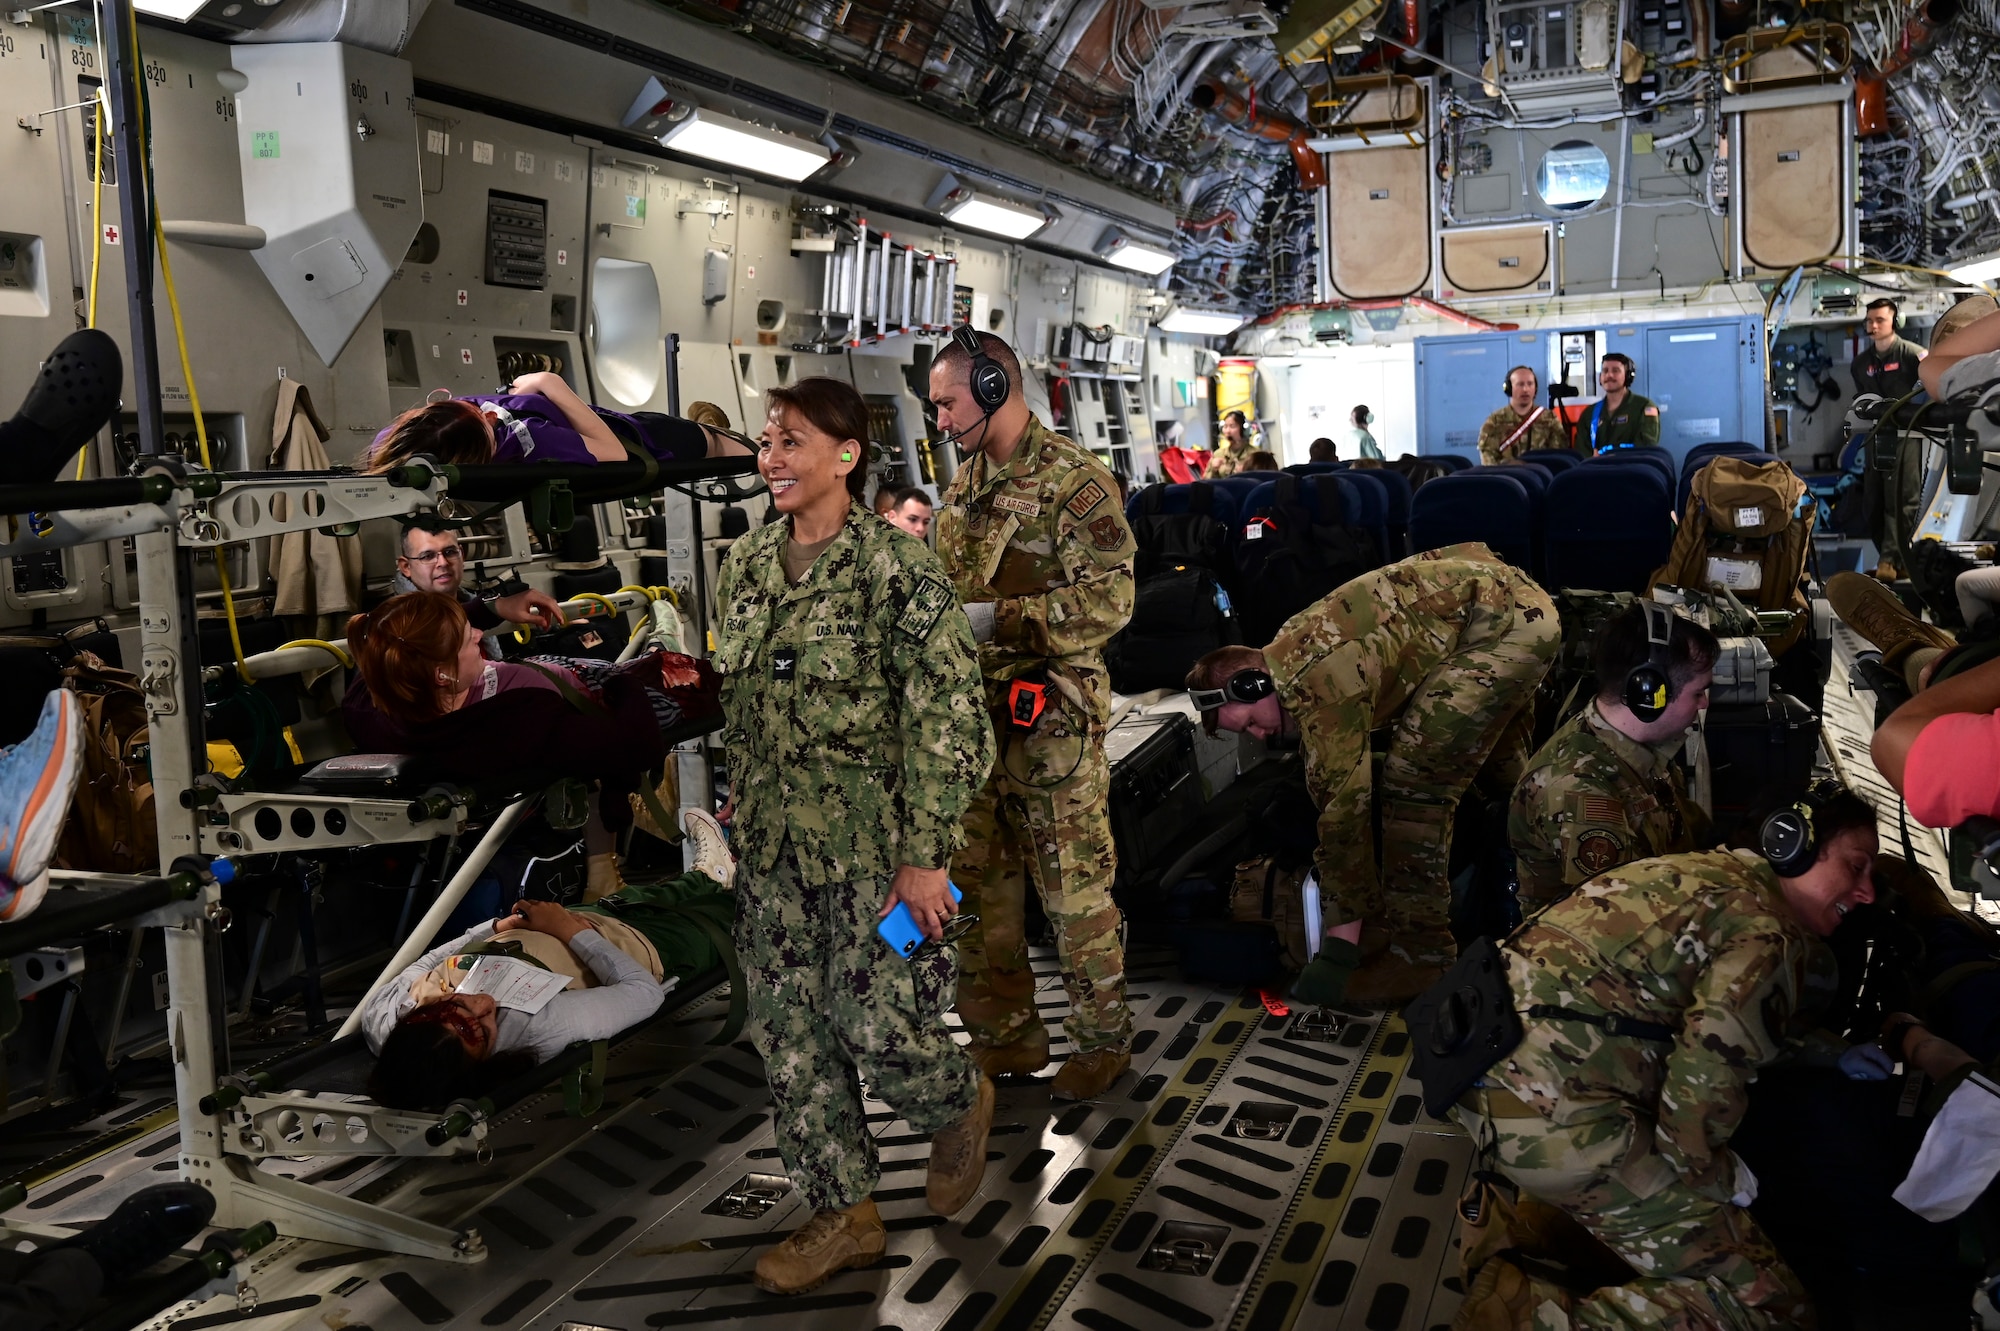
(486, 1007)
(426, 688)
(541, 419)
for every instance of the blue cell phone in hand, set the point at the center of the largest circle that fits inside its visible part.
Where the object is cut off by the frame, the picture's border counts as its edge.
(900, 931)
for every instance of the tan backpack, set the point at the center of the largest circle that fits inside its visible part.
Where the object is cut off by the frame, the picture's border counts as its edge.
(1743, 530)
(111, 828)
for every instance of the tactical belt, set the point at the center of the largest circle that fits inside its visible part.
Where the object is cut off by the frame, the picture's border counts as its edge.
(1609, 1022)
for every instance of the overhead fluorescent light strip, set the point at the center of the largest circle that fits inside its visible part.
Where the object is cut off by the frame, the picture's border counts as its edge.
(1141, 258)
(1204, 323)
(747, 147)
(996, 218)
(180, 11)
(1978, 271)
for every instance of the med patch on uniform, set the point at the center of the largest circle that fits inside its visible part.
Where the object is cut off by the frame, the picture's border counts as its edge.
(931, 599)
(1084, 500)
(1597, 852)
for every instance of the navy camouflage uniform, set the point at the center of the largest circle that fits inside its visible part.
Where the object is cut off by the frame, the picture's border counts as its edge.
(856, 737)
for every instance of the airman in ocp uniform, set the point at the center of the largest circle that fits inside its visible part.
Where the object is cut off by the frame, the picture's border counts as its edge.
(1037, 546)
(1606, 789)
(1449, 647)
(1650, 998)
(1520, 426)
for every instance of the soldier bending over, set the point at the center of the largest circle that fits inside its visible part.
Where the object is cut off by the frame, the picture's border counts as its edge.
(1448, 647)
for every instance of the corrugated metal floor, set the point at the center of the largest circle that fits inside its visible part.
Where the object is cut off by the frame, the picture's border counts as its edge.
(1246, 1173)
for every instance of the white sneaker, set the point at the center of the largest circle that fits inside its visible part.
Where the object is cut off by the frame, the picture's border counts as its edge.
(711, 846)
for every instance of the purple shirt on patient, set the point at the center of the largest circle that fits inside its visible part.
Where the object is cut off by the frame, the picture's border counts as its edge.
(527, 427)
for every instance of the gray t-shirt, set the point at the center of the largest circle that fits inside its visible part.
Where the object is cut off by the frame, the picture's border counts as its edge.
(627, 995)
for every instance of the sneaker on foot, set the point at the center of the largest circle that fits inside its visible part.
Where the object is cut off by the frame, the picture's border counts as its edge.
(38, 776)
(828, 1243)
(958, 1156)
(1877, 614)
(147, 1227)
(711, 847)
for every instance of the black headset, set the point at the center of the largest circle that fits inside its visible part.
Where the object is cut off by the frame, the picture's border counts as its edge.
(1649, 686)
(1895, 314)
(1507, 384)
(986, 377)
(1787, 839)
(1251, 685)
(1631, 367)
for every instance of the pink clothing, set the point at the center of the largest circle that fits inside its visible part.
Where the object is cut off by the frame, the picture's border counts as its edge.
(1953, 770)
(501, 676)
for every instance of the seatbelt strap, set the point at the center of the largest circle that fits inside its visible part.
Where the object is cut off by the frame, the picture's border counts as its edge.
(1526, 425)
(572, 695)
(1609, 1022)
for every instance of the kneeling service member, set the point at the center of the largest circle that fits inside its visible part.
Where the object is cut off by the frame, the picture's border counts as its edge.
(1448, 647)
(1649, 1000)
(1038, 550)
(1605, 790)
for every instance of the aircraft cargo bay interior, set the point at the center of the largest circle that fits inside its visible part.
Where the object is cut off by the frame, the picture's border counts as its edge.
(986, 665)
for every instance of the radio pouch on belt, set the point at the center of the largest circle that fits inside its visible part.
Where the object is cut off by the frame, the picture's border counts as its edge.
(1462, 1025)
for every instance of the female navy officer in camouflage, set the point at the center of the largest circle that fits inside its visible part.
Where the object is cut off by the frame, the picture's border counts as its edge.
(857, 735)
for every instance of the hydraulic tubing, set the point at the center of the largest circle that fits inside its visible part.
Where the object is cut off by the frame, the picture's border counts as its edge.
(1210, 95)
(49, 925)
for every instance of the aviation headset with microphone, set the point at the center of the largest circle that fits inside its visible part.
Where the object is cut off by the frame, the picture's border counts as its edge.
(1649, 686)
(986, 377)
(1507, 384)
(1895, 315)
(1787, 839)
(1244, 686)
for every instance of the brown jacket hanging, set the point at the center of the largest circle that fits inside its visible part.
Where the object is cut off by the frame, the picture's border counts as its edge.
(316, 574)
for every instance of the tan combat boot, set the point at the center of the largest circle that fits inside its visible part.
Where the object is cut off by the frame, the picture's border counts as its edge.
(1503, 1298)
(1879, 615)
(828, 1243)
(1020, 1057)
(711, 847)
(1087, 1076)
(958, 1156)
(1405, 968)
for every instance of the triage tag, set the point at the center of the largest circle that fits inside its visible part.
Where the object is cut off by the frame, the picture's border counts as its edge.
(513, 984)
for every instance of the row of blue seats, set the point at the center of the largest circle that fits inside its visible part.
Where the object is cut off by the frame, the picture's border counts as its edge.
(1374, 501)
(1605, 522)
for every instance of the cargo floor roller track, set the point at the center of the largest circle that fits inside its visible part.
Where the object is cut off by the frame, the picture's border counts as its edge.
(1251, 1171)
